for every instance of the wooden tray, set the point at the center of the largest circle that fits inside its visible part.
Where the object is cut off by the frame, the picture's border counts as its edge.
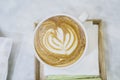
(102, 70)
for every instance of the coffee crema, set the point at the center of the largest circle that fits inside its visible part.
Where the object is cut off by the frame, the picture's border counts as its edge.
(59, 41)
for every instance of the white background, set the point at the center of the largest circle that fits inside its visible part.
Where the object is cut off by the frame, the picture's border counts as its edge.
(17, 18)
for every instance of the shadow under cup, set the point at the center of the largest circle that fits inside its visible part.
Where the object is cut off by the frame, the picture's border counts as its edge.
(59, 41)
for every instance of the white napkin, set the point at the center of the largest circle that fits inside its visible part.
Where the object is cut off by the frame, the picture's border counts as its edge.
(5, 48)
(88, 65)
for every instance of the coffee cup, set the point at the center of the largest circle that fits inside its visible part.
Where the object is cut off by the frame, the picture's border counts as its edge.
(60, 40)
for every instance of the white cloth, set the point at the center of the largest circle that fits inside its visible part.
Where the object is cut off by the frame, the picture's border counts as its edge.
(5, 49)
(88, 65)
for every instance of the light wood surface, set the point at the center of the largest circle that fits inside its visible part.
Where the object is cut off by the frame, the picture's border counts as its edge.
(101, 53)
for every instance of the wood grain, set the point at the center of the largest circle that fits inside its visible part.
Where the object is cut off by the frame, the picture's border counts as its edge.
(37, 69)
(37, 63)
(102, 67)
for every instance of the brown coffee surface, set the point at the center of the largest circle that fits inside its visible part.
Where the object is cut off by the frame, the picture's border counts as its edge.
(59, 41)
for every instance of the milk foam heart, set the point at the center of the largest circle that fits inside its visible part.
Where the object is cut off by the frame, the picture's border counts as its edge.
(58, 42)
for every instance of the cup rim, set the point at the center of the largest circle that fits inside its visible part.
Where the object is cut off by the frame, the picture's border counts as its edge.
(78, 22)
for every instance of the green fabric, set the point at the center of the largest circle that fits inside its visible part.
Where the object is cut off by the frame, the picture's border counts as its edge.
(72, 77)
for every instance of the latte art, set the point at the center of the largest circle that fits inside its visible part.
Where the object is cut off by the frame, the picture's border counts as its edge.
(59, 41)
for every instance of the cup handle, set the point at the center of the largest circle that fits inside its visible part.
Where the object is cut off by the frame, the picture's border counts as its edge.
(83, 17)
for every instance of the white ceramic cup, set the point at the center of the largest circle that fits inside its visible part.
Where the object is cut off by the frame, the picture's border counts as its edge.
(82, 18)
